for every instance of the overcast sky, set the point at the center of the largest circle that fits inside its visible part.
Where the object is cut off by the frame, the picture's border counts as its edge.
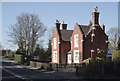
(69, 12)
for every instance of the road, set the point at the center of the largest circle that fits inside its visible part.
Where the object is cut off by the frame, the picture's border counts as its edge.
(16, 72)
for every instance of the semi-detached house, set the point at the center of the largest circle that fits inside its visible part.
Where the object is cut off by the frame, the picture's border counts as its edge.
(73, 46)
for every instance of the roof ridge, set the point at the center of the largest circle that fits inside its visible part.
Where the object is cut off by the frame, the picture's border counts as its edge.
(85, 25)
(66, 30)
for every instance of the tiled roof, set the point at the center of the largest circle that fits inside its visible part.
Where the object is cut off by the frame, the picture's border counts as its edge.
(85, 28)
(66, 34)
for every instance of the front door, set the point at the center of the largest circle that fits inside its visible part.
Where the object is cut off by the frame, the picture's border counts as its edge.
(69, 58)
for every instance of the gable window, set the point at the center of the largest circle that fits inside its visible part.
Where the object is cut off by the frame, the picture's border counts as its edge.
(76, 40)
(55, 43)
(55, 56)
(76, 56)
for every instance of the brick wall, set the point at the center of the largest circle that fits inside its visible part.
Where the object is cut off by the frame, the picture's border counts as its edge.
(80, 44)
(55, 35)
(65, 47)
(98, 42)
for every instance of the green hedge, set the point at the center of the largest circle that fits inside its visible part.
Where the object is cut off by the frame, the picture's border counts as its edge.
(19, 58)
(116, 55)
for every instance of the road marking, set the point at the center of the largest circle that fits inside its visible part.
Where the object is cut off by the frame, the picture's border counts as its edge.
(18, 76)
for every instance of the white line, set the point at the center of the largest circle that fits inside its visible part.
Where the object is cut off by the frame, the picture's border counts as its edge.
(18, 76)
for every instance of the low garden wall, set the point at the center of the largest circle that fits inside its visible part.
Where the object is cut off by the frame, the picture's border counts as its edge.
(39, 65)
(54, 67)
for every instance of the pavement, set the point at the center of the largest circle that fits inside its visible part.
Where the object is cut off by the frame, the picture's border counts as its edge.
(15, 72)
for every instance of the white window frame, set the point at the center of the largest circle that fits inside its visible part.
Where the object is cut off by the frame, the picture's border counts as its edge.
(76, 41)
(55, 43)
(76, 56)
(69, 59)
(55, 56)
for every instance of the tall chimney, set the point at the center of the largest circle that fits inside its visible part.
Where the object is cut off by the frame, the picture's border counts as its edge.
(64, 26)
(103, 27)
(57, 24)
(95, 16)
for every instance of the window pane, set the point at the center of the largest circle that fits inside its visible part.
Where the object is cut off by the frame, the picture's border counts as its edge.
(54, 43)
(76, 40)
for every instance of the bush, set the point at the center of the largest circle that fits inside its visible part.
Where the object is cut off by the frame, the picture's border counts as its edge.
(87, 61)
(116, 55)
(9, 56)
(19, 58)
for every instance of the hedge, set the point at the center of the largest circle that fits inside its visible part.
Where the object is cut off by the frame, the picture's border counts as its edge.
(19, 58)
(116, 55)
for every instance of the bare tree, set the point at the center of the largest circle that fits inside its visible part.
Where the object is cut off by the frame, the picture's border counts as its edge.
(113, 37)
(26, 32)
(0, 46)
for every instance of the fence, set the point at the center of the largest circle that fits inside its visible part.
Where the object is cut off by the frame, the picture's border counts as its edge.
(102, 68)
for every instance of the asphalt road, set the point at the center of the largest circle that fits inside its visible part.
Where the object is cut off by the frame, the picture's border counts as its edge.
(17, 72)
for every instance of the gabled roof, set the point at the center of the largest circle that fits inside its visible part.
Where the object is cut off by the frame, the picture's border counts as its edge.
(85, 29)
(66, 34)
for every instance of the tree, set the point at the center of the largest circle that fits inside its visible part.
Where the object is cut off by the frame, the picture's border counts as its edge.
(49, 50)
(113, 37)
(0, 48)
(90, 23)
(26, 32)
(39, 51)
(118, 44)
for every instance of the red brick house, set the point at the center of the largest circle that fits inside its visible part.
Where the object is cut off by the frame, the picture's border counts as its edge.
(73, 46)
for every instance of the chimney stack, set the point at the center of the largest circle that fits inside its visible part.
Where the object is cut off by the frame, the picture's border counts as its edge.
(95, 16)
(103, 27)
(57, 24)
(64, 26)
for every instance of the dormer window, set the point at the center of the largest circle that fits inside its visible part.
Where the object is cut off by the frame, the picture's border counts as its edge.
(54, 43)
(76, 40)
(93, 35)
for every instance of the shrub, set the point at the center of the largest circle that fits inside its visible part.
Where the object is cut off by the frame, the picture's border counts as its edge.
(116, 55)
(19, 58)
(87, 61)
